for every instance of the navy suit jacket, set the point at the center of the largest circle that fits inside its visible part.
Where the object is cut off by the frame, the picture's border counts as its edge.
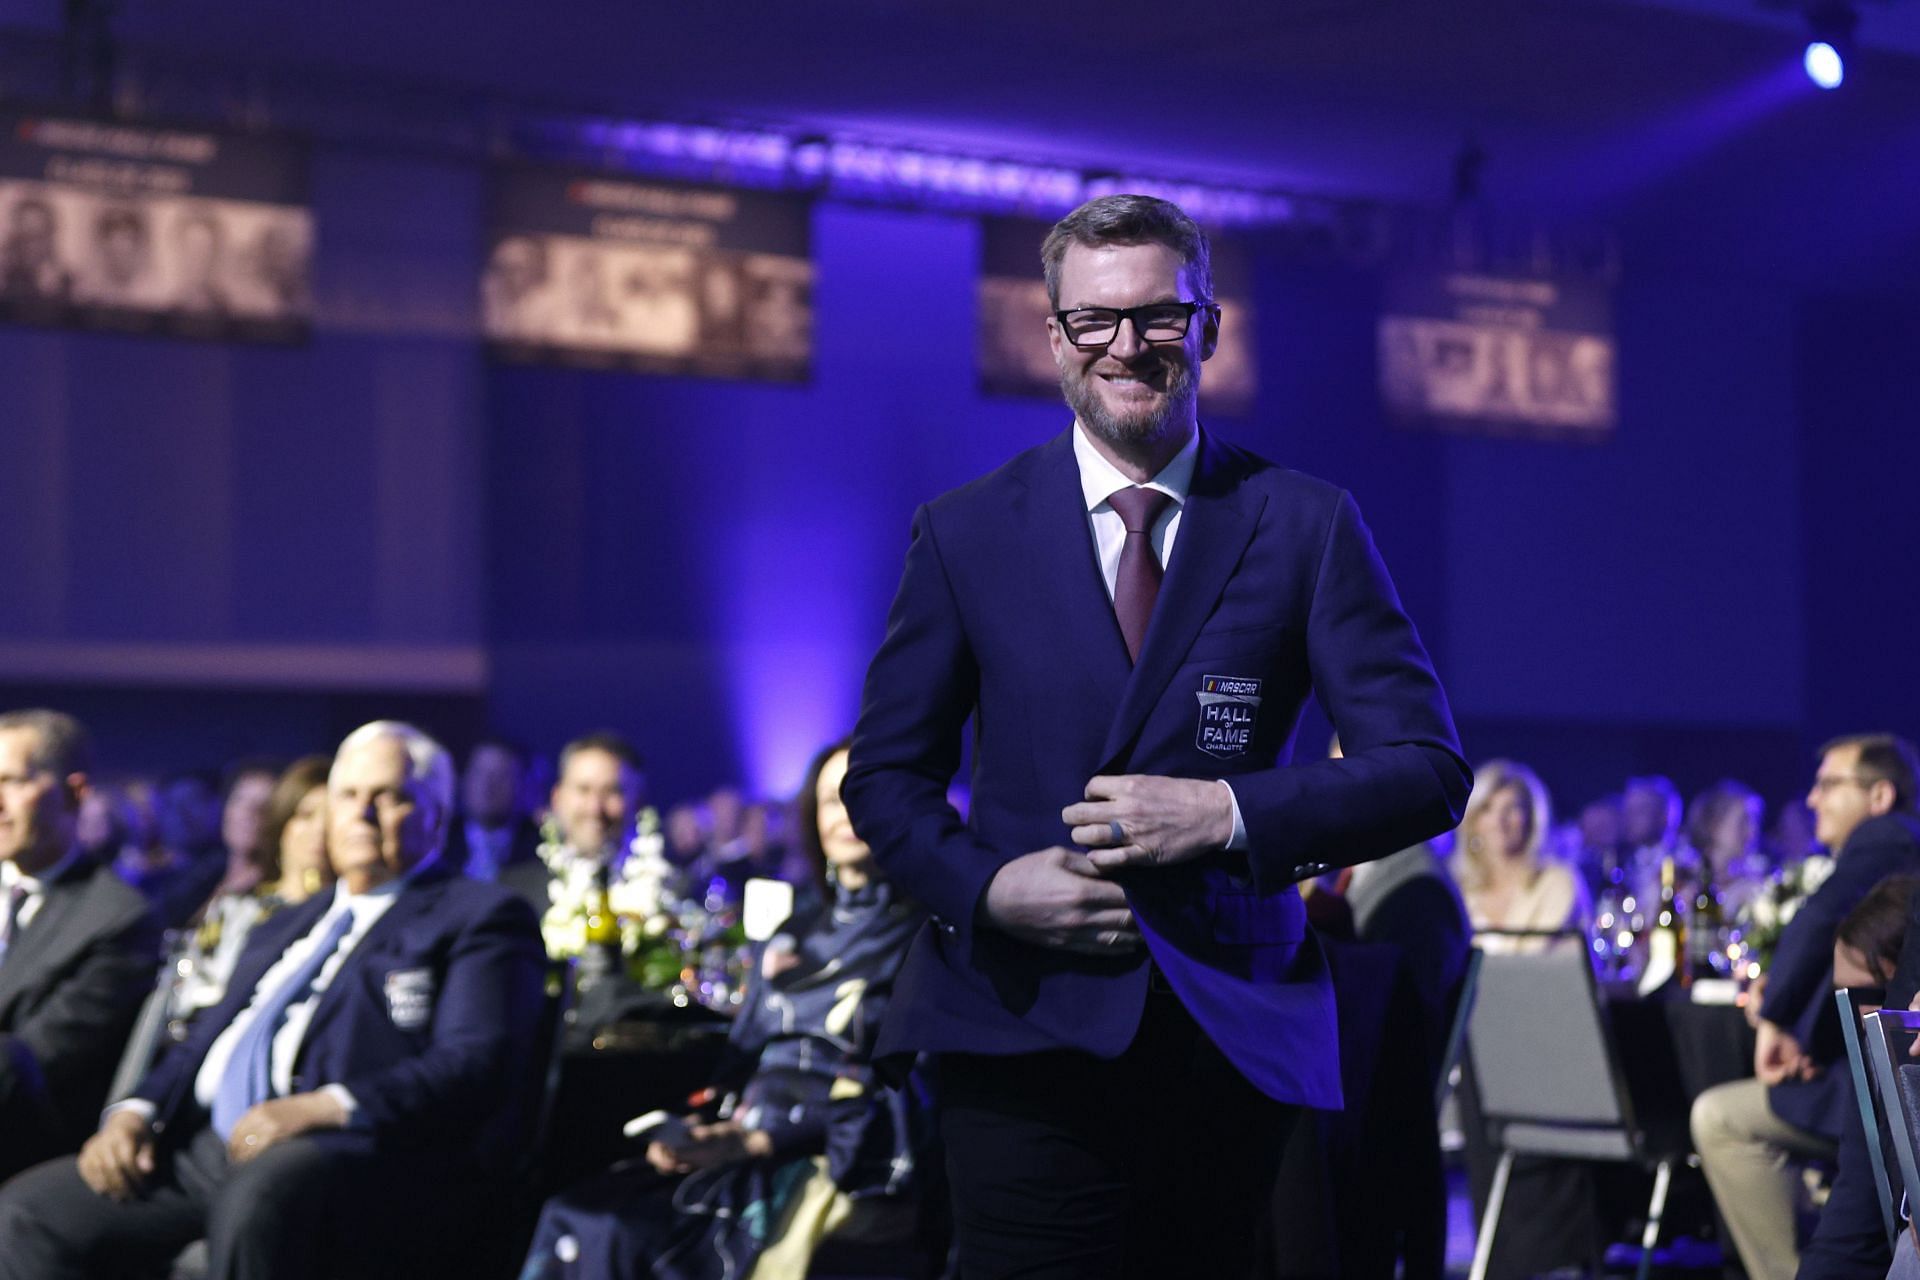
(1273, 587)
(1799, 993)
(458, 1079)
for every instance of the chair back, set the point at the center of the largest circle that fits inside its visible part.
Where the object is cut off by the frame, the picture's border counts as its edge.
(1457, 1030)
(549, 1042)
(1889, 1034)
(1543, 1060)
(144, 1043)
(1867, 1096)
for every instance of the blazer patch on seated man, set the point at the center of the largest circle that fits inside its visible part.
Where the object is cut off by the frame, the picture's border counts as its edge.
(410, 998)
(1229, 710)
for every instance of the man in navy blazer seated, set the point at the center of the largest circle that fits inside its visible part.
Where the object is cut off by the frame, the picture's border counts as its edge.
(331, 1116)
(1126, 1002)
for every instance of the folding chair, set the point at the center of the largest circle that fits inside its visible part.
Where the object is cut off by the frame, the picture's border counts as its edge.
(1457, 1031)
(1889, 1034)
(1550, 1082)
(1871, 1104)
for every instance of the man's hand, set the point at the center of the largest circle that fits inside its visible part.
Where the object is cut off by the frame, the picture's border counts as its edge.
(267, 1124)
(709, 1146)
(1777, 1056)
(1056, 898)
(117, 1160)
(1756, 996)
(1161, 820)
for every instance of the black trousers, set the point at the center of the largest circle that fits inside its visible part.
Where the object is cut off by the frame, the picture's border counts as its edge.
(1158, 1163)
(319, 1205)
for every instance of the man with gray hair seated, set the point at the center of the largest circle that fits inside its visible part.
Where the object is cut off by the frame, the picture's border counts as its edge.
(371, 1060)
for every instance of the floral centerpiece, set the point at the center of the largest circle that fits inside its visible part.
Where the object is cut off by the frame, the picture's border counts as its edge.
(1766, 916)
(638, 890)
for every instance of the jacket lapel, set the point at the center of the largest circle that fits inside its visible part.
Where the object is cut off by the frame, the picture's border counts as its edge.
(58, 929)
(1216, 524)
(1068, 591)
(411, 901)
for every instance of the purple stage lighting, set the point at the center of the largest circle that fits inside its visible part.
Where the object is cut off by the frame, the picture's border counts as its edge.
(1824, 65)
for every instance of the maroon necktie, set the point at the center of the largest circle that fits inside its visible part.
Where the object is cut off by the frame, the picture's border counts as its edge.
(1137, 584)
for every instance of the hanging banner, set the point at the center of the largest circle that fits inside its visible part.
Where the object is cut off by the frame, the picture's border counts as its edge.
(1499, 355)
(649, 275)
(1015, 358)
(146, 229)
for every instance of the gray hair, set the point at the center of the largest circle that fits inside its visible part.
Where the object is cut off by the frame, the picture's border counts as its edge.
(1129, 219)
(428, 764)
(61, 743)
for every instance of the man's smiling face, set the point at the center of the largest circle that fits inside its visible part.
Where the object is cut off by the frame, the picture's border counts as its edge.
(1130, 392)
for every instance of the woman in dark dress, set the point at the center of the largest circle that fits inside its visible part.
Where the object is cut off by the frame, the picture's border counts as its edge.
(710, 1196)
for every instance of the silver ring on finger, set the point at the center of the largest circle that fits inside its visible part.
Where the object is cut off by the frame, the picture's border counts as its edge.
(253, 1139)
(1113, 829)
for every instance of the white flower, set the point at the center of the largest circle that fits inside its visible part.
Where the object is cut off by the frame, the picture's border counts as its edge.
(1766, 912)
(1787, 912)
(1814, 872)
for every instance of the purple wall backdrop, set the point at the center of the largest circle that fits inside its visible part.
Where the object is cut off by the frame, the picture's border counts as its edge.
(707, 565)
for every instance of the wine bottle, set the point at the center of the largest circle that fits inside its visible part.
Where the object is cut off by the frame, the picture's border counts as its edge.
(1667, 939)
(601, 955)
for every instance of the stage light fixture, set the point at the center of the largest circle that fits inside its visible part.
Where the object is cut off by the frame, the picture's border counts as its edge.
(1830, 26)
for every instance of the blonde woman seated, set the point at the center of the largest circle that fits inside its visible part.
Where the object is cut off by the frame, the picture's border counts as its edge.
(1509, 887)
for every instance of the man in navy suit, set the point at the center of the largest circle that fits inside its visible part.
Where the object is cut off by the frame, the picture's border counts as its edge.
(1799, 1102)
(331, 1115)
(1119, 981)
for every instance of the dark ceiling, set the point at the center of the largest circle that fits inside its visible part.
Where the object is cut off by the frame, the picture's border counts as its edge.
(1680, 122)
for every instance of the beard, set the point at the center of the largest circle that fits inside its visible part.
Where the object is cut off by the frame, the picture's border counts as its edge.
(1144, 425)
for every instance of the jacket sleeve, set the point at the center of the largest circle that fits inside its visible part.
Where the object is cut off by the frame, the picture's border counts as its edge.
(921, 688)
(485, 1021)
(1800, 979)
(1403, 779)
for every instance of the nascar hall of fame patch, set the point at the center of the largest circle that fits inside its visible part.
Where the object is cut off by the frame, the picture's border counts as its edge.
(1229, 708)
(410, 998)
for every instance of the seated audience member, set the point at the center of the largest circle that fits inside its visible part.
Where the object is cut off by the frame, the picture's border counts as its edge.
(594, 803)
(1849, 1241)
(340, 1110)
(1407, 900)
(1382, 1154)
(1867, 943)
(1799, 1104)
(1508, 886)
(1650, 820)
(1602, 851)
(179, 871)
(494, 831)
(112, 821)
(1723, 824)
(288, 865)
(77, 946)
(708, 1199)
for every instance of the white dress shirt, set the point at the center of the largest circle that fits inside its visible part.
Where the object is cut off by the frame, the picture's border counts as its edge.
(366, 908)
(1099, 479)
(12, 876)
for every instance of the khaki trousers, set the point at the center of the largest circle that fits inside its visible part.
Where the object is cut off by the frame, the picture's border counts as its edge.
(1745, 1152)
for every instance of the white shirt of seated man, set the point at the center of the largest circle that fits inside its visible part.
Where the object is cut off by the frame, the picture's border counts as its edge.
(382, 827)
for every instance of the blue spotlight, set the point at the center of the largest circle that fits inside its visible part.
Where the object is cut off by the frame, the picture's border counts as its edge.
(1825, 67)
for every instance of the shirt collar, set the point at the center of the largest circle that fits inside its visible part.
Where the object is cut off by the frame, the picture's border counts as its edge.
(11, 874)
(1099, 478)
(387, 890)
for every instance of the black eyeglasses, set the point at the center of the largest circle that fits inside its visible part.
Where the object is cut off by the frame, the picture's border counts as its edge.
(1155, 322)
